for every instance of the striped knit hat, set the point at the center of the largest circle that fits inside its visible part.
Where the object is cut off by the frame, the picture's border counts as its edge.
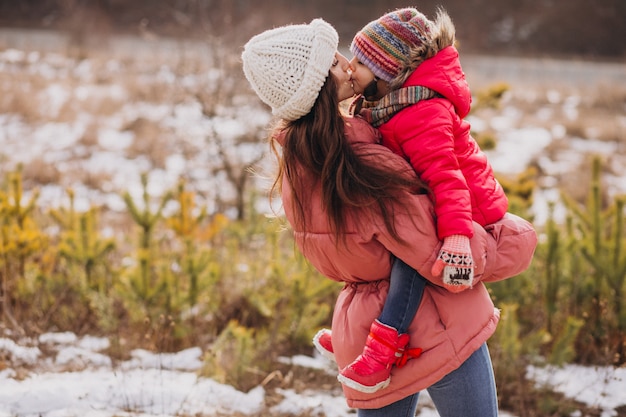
(383, 45)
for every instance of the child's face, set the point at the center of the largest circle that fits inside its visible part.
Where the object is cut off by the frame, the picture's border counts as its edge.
(365, 82)
(342, 71)
(361, 75)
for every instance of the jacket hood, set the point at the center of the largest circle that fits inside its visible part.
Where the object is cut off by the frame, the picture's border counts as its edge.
(443, 74)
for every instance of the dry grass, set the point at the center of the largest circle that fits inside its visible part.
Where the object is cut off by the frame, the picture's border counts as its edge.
(150, 140)
(153, 92)
(610, 98)
(598, 125)
(96, 91)
(101, 89)
(42, 172)
(89, 139)
(19, 95)
(580, 114)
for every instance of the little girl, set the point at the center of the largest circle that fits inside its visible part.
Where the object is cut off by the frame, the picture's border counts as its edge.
(415, 92)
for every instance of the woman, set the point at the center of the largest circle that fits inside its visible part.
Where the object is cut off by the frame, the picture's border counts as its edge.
(354, 205)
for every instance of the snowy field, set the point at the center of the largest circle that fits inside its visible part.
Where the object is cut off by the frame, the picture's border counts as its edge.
(160, 385)
(83, 122)
(95, 123)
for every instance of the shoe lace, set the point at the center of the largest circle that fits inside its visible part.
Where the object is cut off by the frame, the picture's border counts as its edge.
(406, 354)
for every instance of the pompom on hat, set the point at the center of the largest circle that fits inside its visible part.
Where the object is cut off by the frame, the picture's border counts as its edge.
(384, 44)
(287, 66)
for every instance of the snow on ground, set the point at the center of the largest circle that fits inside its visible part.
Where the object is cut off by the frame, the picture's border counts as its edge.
(601, 387)
(167, 384)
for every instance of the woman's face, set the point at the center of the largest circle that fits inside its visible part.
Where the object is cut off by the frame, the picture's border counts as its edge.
(365, 82)
(342, 72)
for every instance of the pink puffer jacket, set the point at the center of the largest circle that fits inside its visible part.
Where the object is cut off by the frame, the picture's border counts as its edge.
(448, 327)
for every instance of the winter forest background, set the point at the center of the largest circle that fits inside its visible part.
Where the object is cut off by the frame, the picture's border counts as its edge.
(135, 230)
(527, 27)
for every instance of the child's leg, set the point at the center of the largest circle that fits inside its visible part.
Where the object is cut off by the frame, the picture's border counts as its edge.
(387, 342)
(406, 288)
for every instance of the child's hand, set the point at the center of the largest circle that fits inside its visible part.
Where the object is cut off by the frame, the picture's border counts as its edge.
(455, 261)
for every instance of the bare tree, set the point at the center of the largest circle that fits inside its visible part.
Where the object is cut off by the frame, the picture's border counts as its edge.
(234, 155)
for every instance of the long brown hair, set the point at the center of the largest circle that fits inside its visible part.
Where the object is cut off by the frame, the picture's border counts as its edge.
(316, 145)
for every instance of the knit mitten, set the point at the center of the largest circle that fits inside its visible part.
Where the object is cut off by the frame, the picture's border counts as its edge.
(455, 261)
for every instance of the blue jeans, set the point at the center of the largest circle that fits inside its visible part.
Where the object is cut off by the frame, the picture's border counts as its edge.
(469, 391)
(406, 287)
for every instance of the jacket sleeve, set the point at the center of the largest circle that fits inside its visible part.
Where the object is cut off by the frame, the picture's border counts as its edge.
(500, 251)
(415, 225)
(516, 241)
(425, 134)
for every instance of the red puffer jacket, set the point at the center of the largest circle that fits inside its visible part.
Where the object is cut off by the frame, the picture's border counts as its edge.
(435, 139)
(449, 327)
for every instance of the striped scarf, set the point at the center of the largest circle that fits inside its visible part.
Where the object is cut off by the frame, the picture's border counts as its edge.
(378, 112)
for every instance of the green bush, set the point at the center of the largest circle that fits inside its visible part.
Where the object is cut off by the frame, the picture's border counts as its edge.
(193, 279)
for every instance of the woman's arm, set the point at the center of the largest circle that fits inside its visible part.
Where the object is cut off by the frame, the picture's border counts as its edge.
(503, 250)
(500, 251)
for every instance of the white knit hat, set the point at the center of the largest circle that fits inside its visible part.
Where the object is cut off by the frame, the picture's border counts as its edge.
(287, 66)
